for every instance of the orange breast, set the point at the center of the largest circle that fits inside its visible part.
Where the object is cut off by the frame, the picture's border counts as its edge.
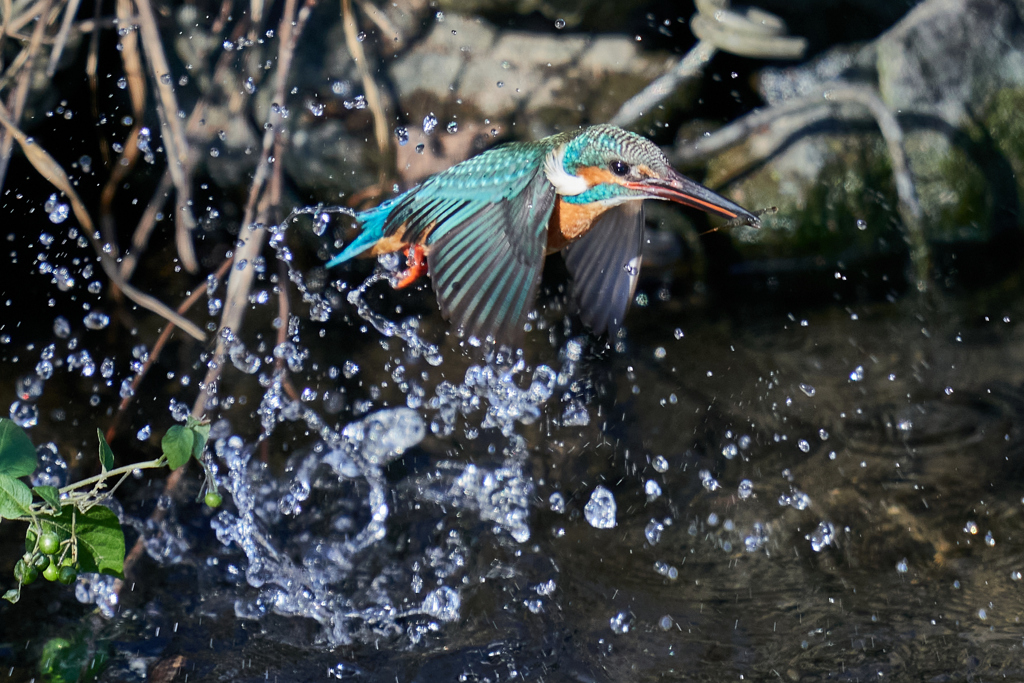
(569, 221)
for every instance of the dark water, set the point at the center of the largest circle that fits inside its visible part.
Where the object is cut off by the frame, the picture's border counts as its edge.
(832, 494)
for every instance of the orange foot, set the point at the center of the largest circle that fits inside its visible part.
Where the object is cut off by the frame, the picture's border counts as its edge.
(416, 260)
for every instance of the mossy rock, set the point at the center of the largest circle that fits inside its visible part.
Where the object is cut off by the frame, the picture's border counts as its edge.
(835, 195)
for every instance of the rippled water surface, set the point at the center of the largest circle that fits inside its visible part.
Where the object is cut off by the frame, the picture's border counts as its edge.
(828, 494)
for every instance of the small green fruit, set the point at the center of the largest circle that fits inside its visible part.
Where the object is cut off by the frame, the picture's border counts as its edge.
(41, 562)
(30, 575)
(51, 572)
(67, 575)
(213, 499)
(49, 543)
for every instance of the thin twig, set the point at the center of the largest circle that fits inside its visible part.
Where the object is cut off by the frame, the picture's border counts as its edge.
(172, 134)
(370, 89)
(25, 18)
(909, 208)
(253, 233)
(16, 102)
(140, 238)
(387, 28)
(55, 175)
(158, 347)
(62, 36)
(754, 33)
(661, 87)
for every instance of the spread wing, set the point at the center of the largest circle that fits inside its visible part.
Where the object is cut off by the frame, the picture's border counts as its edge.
(605, 265)
(485, 221)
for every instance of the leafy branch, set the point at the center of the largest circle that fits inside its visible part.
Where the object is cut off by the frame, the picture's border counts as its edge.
(69, 529)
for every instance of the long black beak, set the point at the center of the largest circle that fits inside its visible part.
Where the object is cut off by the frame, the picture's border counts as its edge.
(680, 189)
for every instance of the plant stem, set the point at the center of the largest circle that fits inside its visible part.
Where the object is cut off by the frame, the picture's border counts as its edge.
(150, 464)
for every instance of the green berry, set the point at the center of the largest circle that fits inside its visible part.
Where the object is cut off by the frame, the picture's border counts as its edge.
(49, 543)
(67, 575)
(67, 562)
(40, 562)
(51, 572)
(213, 499)
(30, 575)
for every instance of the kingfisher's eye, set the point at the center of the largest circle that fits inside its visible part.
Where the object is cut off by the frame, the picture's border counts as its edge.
(619, 167)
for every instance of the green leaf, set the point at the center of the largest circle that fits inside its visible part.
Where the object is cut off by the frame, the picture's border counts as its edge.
(97, 533)
(201, 433)
(15, 497)
(177, 445)
(12, 596)
(106, 455)
(17, 454)
(50, 495)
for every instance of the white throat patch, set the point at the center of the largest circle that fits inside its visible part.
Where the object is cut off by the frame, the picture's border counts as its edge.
(565, 183)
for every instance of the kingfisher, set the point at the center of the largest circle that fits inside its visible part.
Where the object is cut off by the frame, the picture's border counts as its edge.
(483, 227)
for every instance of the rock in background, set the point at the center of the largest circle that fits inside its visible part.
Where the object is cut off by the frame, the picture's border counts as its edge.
(952, 71)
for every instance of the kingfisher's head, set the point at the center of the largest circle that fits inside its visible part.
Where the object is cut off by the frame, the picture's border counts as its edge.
(609, 165)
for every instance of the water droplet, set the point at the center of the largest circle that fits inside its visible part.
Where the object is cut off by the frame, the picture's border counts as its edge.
(708, 482)
(807, 389)
(96, 320)
(858, 374)
(57, 211)
(122, 83)
(730, 451)
(600, 509)
(556, 501)
(652, 489)
(621, 623)
(971, 528)
(862, 224)
(165, 79)
(822, 536)
(402, 133)
(315, 108)
(803, 445)
(453, 127)
(61, 327)
(902, 567)
(24, 414)
(143, 433)
(653, 531)
(250, 86)
(823, 435)
(660, 463)
(501, 84)
(559, 24)
(429, 123)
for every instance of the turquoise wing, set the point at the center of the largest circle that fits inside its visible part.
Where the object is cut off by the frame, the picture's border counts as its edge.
(605, 266)
(486, 268)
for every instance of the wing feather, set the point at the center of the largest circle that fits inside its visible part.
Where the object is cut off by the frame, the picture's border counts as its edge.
(486, 267)
(605, 266)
